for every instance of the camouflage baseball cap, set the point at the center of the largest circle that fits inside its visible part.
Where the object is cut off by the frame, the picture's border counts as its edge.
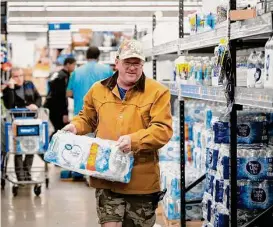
(130, 49)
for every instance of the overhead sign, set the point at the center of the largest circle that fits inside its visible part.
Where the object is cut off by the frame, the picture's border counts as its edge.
(60, 36)
(59, 26)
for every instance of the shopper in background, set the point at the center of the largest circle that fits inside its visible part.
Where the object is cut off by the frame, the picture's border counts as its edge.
(56, 100)
(135, 111)
(83, 78)
(21, 94)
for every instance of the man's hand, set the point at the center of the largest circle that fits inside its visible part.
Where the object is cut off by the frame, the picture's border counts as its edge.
(32, 107)
(65, 119)
(70, 128)
(124, 143)
(11, 83)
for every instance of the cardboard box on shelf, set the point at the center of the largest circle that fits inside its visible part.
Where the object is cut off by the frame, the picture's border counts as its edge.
(82, 38)
(236, 15)
(41, 85)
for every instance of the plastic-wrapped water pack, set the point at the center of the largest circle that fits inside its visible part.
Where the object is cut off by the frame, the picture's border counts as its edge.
(244, 216)
(223, 162)
(170, 152)
(221, 192)
(90, 156)
(210, 184)
(207, 204)
(254, 195)
(176, 127)
(197, 192)
(251, 128)
(170, 179)
(270, 127)
(221, 216)
(215, 214)
(212, 156)
(255, 163)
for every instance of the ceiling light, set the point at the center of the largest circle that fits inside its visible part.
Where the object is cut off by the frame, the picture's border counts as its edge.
(92, 9)
(77, 27)
(85, 19)
(117, 3)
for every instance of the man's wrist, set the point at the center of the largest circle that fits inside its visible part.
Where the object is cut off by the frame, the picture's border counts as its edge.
(134, 142)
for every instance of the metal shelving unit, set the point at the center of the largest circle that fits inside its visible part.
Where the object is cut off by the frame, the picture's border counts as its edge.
(257, 28)
(243, 34)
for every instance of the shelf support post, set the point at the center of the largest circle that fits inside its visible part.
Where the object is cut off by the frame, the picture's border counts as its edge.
(182, 123)
(154, 57)
(182, 165)
(233, 130)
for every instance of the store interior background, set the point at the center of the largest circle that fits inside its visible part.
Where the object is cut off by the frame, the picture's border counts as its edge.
(105, 24)
(28, 29)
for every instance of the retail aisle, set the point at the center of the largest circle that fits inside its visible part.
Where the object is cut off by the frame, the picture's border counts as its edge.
(63, 204)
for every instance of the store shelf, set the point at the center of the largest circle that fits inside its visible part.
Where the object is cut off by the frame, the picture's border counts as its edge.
(259, 98)
(107, 62)
(208, 93)
(166, 48)
(252, 28)
(105, 49)
(204, 39)
(81, 62)
(173, 87)
(261, 25)
(80, 47)
(148, 52)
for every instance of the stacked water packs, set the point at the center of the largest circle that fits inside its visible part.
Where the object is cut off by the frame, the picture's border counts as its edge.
(254, 165)
(170, 179)
(90, 156)
(169, 160)
(269, 116)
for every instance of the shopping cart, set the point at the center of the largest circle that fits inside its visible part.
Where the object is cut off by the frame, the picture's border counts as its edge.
(24, 132)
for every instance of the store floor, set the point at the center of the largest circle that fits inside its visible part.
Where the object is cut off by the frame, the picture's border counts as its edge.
(64, 204)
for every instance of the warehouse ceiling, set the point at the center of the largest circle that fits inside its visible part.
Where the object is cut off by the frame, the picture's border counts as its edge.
(97, 12)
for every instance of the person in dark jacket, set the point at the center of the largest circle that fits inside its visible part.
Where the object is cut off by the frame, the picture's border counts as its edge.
(21, 94)
(56, 100)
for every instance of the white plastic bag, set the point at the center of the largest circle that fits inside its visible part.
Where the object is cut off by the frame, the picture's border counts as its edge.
(90, 156)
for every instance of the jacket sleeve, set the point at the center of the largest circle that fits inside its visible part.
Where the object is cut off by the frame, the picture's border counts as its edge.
(37, 97)
(159, 131)
(8, 98)
(86, 121)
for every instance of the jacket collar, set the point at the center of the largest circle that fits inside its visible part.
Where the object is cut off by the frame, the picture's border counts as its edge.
(111, 82)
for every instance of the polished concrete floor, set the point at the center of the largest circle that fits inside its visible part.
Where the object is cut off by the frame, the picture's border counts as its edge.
(64, 204)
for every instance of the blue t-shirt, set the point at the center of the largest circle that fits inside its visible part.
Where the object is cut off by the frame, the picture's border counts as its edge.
(83, 78)
(122, 92)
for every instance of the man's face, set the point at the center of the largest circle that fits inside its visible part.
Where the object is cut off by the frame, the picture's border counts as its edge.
(18, 77)
(130, 70)
(71, 67)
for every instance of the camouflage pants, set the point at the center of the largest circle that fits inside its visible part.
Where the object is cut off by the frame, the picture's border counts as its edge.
(131, 210)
